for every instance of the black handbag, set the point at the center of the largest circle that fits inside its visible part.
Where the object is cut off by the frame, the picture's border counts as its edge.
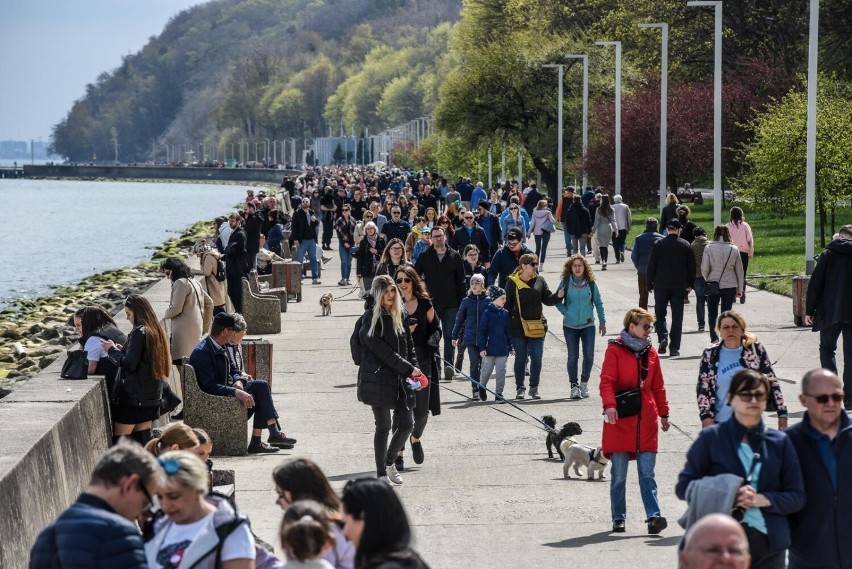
(76, 365)
(712, 288)
(170, 401)
(628, 402)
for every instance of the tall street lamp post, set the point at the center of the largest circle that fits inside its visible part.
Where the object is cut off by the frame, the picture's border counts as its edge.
(664, 106)
(717, 106)
(810, 176)
(585, 59)
(617, 45)
(561, 68)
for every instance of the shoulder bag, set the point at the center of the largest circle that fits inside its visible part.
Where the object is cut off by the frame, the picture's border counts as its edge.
(628, 402)
(548, 225)
(532, 328)
(712, 288)
(76, 365)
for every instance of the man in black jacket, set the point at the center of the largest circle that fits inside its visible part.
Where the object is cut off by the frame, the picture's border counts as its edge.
(253, 225)
(577, 222)
(303, 234)
(490, 225)
(829, 306)
(470, 233)
(328, 209)
(442, 269)
(671, 272)
(236, 261)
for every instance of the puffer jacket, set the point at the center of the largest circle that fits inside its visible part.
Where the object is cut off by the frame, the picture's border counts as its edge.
(387, 362)
(698, 245)
(721, 262)
(89, 535)
(619, 372)
(468, 317)
(140, 388)
(642, 246)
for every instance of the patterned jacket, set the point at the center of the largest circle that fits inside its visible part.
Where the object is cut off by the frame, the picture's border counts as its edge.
(754, 358)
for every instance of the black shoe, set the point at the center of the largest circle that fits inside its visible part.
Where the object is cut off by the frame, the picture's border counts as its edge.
(399, 463)
(261, 448)
(656, 525)
(664, 345)
(674, 353)
(177, 416)
(483, 394)
(281, 441)
(417, 452)
(742, 299)
(701, 328)
(618, 526)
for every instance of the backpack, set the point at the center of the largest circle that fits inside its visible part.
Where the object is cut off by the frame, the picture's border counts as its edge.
(220, 270)
(355, 346)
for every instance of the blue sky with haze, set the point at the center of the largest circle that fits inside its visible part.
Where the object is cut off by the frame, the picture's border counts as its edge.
(51, 49)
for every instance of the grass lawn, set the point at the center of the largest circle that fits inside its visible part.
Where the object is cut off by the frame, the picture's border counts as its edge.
(779, 242)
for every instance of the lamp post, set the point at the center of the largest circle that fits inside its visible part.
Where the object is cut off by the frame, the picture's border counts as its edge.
(717, 106)
(664, 106)
(810, 176)
(561, 68)
(585, 59)
(617, 45)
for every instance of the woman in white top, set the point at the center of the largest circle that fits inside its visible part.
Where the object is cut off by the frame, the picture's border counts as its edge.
(741, 237)
(721, 263)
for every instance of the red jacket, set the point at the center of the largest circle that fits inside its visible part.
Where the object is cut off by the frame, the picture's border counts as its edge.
(620, 371)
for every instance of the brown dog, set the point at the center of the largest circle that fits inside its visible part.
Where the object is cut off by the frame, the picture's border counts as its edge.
(325, 301)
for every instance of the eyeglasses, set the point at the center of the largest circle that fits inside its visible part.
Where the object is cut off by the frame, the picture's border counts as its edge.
(150, 506)
(170, 465)
(405, 280)
(823, 398)
(645, 327)
(468, 217)
(748, 396)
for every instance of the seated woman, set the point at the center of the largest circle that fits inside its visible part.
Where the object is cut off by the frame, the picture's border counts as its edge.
(93, 323)
(265, 258)
(198, 529)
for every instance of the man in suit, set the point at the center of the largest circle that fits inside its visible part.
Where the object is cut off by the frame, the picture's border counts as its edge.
(236, 261)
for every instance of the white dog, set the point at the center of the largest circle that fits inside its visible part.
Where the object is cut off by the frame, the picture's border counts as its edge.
(577, 455)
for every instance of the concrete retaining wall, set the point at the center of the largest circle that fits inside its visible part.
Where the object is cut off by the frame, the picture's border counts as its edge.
(158, 173)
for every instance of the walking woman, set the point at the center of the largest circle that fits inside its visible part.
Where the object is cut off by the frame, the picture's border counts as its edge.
(742, 237)
(425, 328)
(632, 362)
(542, 225)
(604, 227)
(737, 350)
(526, 292)
(190, 310)
(514, 219)
(582, 298)
(367, 259)
(393, 257)
(389, 359)
(766, 460)
(144, 365)
(721, 264)
(209, 258)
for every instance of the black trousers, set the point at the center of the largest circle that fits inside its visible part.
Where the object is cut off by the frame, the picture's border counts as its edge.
(761, 556)
(235, 290)
(327, 230)
(264, 408)
(662, 298)
(403, 419)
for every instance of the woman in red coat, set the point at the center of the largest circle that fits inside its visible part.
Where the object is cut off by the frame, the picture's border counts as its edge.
(631, 361)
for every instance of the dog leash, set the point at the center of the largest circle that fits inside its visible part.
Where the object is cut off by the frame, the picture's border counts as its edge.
(354, 288)
(540, 424)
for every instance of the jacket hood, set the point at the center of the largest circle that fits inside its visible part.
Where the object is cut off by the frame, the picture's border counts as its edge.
(841, 246)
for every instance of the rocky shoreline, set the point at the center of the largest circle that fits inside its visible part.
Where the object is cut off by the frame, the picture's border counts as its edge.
(35, 332)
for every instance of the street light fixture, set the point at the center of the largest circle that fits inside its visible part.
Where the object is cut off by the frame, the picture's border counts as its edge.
(617, 45)
(810, 176)
(664, 105)
(585, 59)
(717, 106)
(561, 68)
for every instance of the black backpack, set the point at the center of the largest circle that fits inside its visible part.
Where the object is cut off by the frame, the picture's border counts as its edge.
(355, 345)
(220, 270)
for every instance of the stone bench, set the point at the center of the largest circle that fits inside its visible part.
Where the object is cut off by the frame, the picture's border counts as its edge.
(262, 312)
(271, 290)
(224, 418)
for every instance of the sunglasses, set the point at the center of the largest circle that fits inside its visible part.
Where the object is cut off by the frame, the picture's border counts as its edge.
(823, 399)
(513, 208)
(532, 264)
(748, 396)
(405, 280)
(468, 217)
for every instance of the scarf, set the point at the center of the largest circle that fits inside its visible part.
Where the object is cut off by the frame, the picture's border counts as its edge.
(636, 345)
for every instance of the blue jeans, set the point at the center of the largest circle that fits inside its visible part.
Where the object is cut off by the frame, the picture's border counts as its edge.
(573, 337)
(568, 248)
(532, 348)
(541, 242)
(345, 262)
(700, 302)
(308, 246)
(447, 316)
(645, 462)
(475, 365)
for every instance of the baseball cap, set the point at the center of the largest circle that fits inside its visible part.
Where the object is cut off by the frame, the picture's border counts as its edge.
(514, 233)
(674, 224)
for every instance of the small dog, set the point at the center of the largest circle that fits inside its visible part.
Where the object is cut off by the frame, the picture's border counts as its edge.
(555, 438)
(325, 301)
(577, 455)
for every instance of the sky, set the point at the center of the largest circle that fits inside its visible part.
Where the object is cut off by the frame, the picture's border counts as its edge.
(51, 49)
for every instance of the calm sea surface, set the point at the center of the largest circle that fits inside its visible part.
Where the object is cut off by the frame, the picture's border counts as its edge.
(58, 233)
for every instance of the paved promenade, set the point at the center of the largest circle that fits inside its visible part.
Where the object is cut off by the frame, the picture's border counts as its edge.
(487, 496)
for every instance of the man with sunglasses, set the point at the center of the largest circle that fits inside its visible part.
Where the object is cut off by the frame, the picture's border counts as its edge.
(396, 227)
(471, 233)
(505, 261)
(823, 441)
(99, 529)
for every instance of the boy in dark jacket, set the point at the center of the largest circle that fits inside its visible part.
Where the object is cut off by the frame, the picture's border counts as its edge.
(466, 329)
(494, 340)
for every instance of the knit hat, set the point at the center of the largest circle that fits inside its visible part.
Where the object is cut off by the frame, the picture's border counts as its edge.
(495, 292)
(201, 246)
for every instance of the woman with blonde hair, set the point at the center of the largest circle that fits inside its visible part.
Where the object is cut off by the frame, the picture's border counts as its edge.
(369, 251)
(144, 363)
(582, 298)
(176, 436)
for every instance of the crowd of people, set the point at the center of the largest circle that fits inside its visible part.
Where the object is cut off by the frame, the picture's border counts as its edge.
(444, 268)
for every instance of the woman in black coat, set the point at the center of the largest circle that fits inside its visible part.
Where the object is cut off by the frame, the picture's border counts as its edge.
(367, 259)
(385, 369)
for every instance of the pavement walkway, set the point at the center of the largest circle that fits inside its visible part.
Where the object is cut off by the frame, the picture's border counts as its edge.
(487, 495)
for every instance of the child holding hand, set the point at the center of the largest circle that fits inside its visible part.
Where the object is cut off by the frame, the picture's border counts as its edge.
(494, 339)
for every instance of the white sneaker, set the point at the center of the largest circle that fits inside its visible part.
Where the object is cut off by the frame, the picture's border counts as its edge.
(386, 480)
(393, 475)
(575, 392)
(584, 390)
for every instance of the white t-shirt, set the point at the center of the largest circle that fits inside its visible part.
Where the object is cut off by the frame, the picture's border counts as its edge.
(94, 349)
(238, 545)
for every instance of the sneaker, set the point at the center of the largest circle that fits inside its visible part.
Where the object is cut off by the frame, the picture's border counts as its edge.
(521, 393)
(618, 526)
(261, 448)
(281, 441)
(386, 480)
(603, 267)
(475, 396)
(742, 299)
(417, 452)
(500, 398)
(393, 475)
(483, 394)
(575, 392)
(674, 353)
(325, 259)
(399, 463)
(448, 373)
(341, 282)
(656, 525)
(584, 390)
(701, 328)
(348, 282)
(664, 345)
(534, 393)
(316, 282)
(622, 256)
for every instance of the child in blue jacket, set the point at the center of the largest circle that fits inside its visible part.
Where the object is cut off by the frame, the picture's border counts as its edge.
(467, 323)
(494, 340)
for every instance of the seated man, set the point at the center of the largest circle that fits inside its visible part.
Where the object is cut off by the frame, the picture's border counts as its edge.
(217, 376)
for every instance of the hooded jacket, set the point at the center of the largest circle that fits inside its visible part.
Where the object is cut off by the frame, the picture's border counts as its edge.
(828, 299)
(387, 361)
(468, 317)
